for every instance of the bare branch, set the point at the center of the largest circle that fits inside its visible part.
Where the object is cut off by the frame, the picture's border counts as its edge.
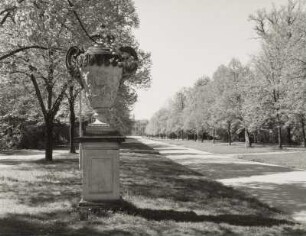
(20, 72)
(39, 96)
(59, 99)
(80, 22)
(4, 18)
(20, 50)
(7, 10)
(77, 91)
(300, 60)
(8, 13)
(259, 20)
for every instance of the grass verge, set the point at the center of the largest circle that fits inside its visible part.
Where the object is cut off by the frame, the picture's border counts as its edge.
(160, 198)
(292, 157)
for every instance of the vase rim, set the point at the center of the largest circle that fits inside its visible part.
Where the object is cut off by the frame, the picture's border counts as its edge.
(98, 49)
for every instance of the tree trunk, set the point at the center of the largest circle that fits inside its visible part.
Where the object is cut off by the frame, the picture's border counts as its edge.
(71, 100)
(303, 131)
(202, 139)
(289, 141)
(49, 140)
(229, 133)
(72, 125)
(248, 142)
(255, 137)
(280, 141)
(214, 133)
(272, 136)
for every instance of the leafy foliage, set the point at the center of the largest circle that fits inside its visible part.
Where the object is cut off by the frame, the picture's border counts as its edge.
(35, 36)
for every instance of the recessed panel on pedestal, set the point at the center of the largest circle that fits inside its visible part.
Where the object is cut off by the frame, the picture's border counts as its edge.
(101, 175)
(100, 171)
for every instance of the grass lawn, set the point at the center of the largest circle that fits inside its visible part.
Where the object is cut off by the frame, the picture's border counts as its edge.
(293, 157)
(293, 160)
(160, 196)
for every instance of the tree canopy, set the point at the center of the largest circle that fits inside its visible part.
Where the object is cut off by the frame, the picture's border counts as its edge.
(35, 36)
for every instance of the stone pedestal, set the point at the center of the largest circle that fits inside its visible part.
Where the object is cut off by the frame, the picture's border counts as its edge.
(100, 170)
(99, 162)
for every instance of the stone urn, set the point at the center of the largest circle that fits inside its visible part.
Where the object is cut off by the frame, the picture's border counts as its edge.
(100, 71)
(101, 75)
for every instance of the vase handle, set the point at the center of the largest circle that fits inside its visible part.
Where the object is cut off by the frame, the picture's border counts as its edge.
(72, 63)
(129, 60)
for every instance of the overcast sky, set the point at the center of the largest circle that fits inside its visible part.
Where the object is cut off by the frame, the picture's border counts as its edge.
(189, 39)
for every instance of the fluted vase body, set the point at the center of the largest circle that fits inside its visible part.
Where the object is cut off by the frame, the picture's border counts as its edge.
(101, 76)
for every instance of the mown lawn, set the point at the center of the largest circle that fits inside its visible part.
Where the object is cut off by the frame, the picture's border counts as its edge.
(289, 156)
(295, 160)
(235, 148)
(160, 197)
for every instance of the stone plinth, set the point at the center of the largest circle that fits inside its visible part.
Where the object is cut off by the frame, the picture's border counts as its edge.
(99, 161)
(100, 170)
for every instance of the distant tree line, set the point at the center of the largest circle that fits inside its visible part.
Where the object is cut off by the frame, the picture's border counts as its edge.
(263, 101)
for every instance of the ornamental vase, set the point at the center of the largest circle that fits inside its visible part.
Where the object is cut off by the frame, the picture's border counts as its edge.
(101, 75)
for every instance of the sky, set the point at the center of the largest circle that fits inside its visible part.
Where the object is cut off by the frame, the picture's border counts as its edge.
(188, 39)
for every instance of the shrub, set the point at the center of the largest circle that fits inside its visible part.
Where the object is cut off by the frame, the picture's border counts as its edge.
(18, 132)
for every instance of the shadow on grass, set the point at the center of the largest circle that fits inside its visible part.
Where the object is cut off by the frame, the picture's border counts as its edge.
(179, 154)
(45, 224)
(188, 216)
(27, 225)
(228, 170)
(23, 152)
(10, 161)
(291, 196)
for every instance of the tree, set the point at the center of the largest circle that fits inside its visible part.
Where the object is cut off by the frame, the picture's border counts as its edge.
(238, 99)
(18, 108)
(157, 125)
(295, 71)
(41, 65)
(227, 96)
(176, 107)
(248, 117)
(36, 35)
(196, 113)
(71, 97)
(276, 31)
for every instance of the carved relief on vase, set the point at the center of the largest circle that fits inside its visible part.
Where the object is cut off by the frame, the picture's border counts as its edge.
(101, 84)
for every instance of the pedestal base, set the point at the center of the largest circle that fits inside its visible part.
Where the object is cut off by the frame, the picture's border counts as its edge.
(99, 162)
(99, 207)
(100, 129)
(100, 170)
